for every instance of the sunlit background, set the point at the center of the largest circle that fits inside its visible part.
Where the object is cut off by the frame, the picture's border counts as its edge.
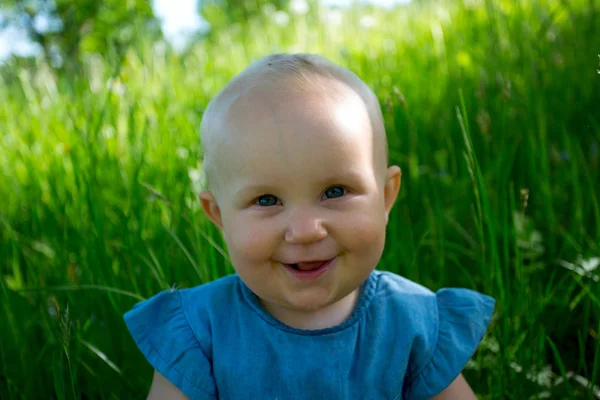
(179, 21)
(491, 110)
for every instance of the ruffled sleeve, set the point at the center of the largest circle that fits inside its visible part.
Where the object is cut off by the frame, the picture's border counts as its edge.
(463, 318)
(161, 330)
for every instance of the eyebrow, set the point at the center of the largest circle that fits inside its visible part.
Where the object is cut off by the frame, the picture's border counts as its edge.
(251, 189)
(335, 177)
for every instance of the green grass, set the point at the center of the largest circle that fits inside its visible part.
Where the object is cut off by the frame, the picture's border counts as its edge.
(492, 111)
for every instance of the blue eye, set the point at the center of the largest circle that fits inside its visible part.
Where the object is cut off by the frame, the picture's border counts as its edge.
(335, 192)
(266, 200)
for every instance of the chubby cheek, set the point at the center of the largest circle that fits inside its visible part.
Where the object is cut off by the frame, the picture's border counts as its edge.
(249, 242)
(364, 233)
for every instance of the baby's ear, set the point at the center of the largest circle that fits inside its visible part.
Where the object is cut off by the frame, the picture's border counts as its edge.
(211, 208)
(392, 187)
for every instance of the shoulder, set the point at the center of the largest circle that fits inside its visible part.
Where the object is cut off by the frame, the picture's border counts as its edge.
(172, 330)
(192, 309)
(395, 283)
(444, 329)
(404, 297)
(408, 308)
(213, 293)
(423, 304)
(173, 304)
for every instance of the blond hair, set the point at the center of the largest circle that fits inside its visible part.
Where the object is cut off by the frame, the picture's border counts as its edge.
(298, 72)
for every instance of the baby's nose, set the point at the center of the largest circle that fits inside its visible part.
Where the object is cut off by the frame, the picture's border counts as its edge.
(304, 229)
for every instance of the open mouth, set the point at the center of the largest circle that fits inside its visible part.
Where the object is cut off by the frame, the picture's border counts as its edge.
(308, 266)
(309, 270)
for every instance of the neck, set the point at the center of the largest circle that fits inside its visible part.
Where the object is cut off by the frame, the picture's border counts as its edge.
(332, 315)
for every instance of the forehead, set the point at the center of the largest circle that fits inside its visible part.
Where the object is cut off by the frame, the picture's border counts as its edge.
(270, 131)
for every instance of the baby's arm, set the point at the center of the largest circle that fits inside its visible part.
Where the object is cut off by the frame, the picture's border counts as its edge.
(162, 389)
(458, 390)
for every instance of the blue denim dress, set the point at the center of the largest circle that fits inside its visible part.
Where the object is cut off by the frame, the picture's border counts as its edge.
(215, 341)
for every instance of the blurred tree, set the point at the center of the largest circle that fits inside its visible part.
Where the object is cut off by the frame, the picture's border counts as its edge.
(66, 29)
(222, 13)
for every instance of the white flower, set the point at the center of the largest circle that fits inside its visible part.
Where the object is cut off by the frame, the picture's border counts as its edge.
(367, 21)
(590, 264)
(442, 14)
(299, 7)
(281, 18)
(193, 204)
(182, 153)
(516, 367)
(334, 17)
(268, 9)
(108, 132)
(197, 178)
(116, 85)
(195, 174)
(583, 267)
(542, 377)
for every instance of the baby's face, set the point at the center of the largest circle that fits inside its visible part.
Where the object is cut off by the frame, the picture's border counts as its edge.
(302, 200)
